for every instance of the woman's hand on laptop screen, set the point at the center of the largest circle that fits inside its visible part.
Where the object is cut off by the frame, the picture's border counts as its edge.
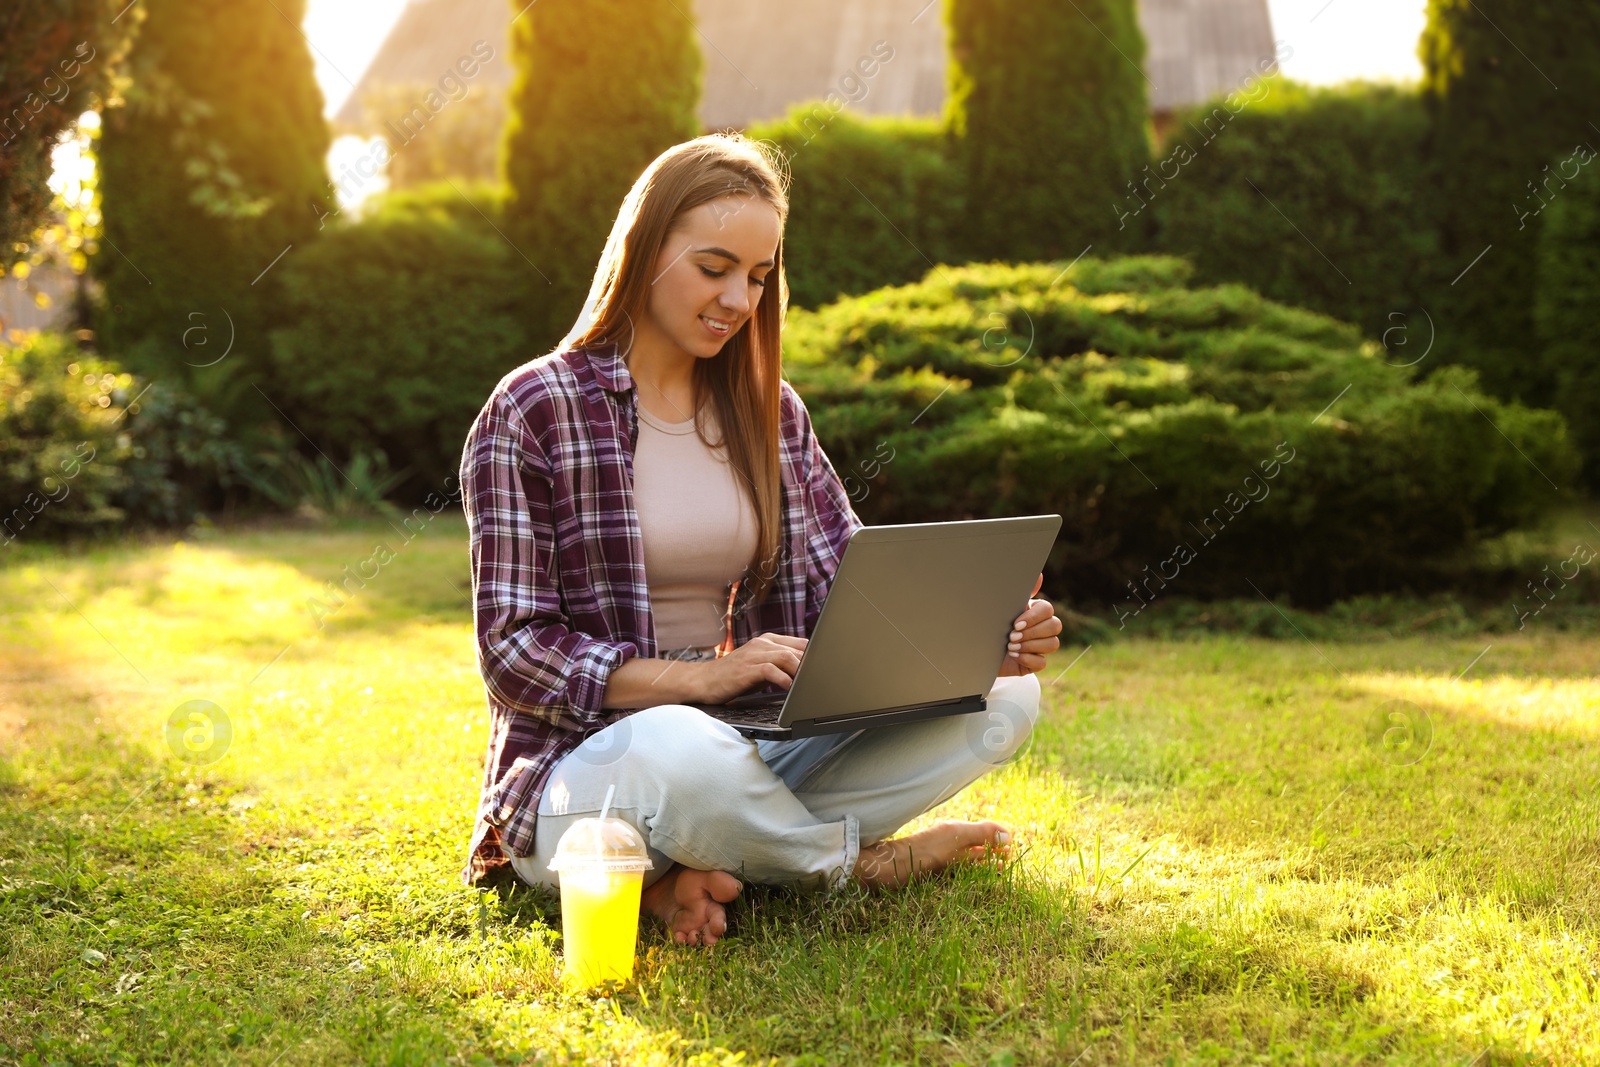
(767, 659)
(1032, 637)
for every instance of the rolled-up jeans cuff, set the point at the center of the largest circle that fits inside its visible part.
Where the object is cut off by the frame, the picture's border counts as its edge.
(852, 852)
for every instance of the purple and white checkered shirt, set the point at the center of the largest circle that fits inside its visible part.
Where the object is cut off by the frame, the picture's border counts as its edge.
(558, 576)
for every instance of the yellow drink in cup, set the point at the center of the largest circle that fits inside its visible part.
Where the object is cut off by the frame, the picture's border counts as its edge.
(601, 863)
(599, 925)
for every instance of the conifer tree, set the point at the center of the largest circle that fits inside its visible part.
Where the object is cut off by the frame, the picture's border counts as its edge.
(602, 87)
(1047, 109)
(211, 173)
(1568, 284)
(1511, 87)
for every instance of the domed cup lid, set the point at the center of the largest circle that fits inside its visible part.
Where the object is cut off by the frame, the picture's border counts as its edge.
(601, 844)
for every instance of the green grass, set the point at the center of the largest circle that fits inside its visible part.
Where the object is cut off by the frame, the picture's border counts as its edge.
(1220, 862)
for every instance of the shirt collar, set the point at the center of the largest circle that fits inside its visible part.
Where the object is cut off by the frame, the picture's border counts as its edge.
(608, 366)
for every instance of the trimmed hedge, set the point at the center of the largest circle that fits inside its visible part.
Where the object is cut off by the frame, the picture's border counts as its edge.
(403, 323)
(1153, 415)
(601, 89)
(873, 202)
(1348, 230)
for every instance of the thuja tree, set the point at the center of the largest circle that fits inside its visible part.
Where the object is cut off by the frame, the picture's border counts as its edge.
(1568, 283)
(1047, 111)
(212, 172)
(601, 88)
(1511, 85)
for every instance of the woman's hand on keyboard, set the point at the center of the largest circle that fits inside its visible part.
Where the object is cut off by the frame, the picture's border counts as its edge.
(766, 659)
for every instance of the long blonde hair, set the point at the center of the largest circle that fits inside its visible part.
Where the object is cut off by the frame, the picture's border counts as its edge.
(741, 381)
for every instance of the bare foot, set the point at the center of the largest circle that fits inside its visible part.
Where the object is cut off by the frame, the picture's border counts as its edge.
(690, 902)
(888, 864)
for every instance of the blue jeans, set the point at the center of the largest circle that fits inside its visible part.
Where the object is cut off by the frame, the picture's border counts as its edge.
(790, 812)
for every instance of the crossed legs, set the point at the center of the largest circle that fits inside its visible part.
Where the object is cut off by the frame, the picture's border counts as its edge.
(715, 807)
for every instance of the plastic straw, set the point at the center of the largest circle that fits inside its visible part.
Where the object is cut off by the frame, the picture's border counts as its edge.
(605, 807)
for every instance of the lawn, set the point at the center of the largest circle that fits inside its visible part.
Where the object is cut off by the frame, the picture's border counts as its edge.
(1234, 850)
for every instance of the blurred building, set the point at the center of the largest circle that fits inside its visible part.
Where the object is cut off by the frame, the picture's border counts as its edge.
(761, 58)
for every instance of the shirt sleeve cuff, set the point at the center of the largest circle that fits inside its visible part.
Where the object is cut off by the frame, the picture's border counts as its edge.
(591, 669)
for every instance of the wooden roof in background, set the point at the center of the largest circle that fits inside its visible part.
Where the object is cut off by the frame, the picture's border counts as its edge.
(1198, 49)
(764, 55)
(426, 41)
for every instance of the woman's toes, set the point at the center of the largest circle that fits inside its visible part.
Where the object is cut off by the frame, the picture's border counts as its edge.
(700, 918)
(989, 834)
(723, 886)
(985, 838)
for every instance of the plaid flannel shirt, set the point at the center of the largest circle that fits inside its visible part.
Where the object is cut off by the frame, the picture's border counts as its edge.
(558, 579)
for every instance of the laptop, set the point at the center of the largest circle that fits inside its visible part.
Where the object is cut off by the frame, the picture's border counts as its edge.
(915, 626)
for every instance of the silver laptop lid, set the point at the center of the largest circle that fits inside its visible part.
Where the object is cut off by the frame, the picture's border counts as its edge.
(919, 613)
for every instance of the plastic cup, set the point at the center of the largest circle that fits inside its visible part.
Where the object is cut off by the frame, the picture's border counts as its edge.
(601, 862)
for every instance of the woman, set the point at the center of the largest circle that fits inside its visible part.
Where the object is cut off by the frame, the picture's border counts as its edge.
(653, 522)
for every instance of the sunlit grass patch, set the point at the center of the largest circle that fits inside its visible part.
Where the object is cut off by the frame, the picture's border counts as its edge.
(1231, 851)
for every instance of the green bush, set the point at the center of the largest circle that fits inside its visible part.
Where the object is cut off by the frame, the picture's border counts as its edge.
(182, 461)
(319, 489)
(85, 445)
(873, 201)
(60, 414)
(1568, 293)
(403, 323)
(1153, 415)
(1348, 230)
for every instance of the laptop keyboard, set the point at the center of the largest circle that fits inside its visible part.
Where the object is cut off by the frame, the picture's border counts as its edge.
(761, 713)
